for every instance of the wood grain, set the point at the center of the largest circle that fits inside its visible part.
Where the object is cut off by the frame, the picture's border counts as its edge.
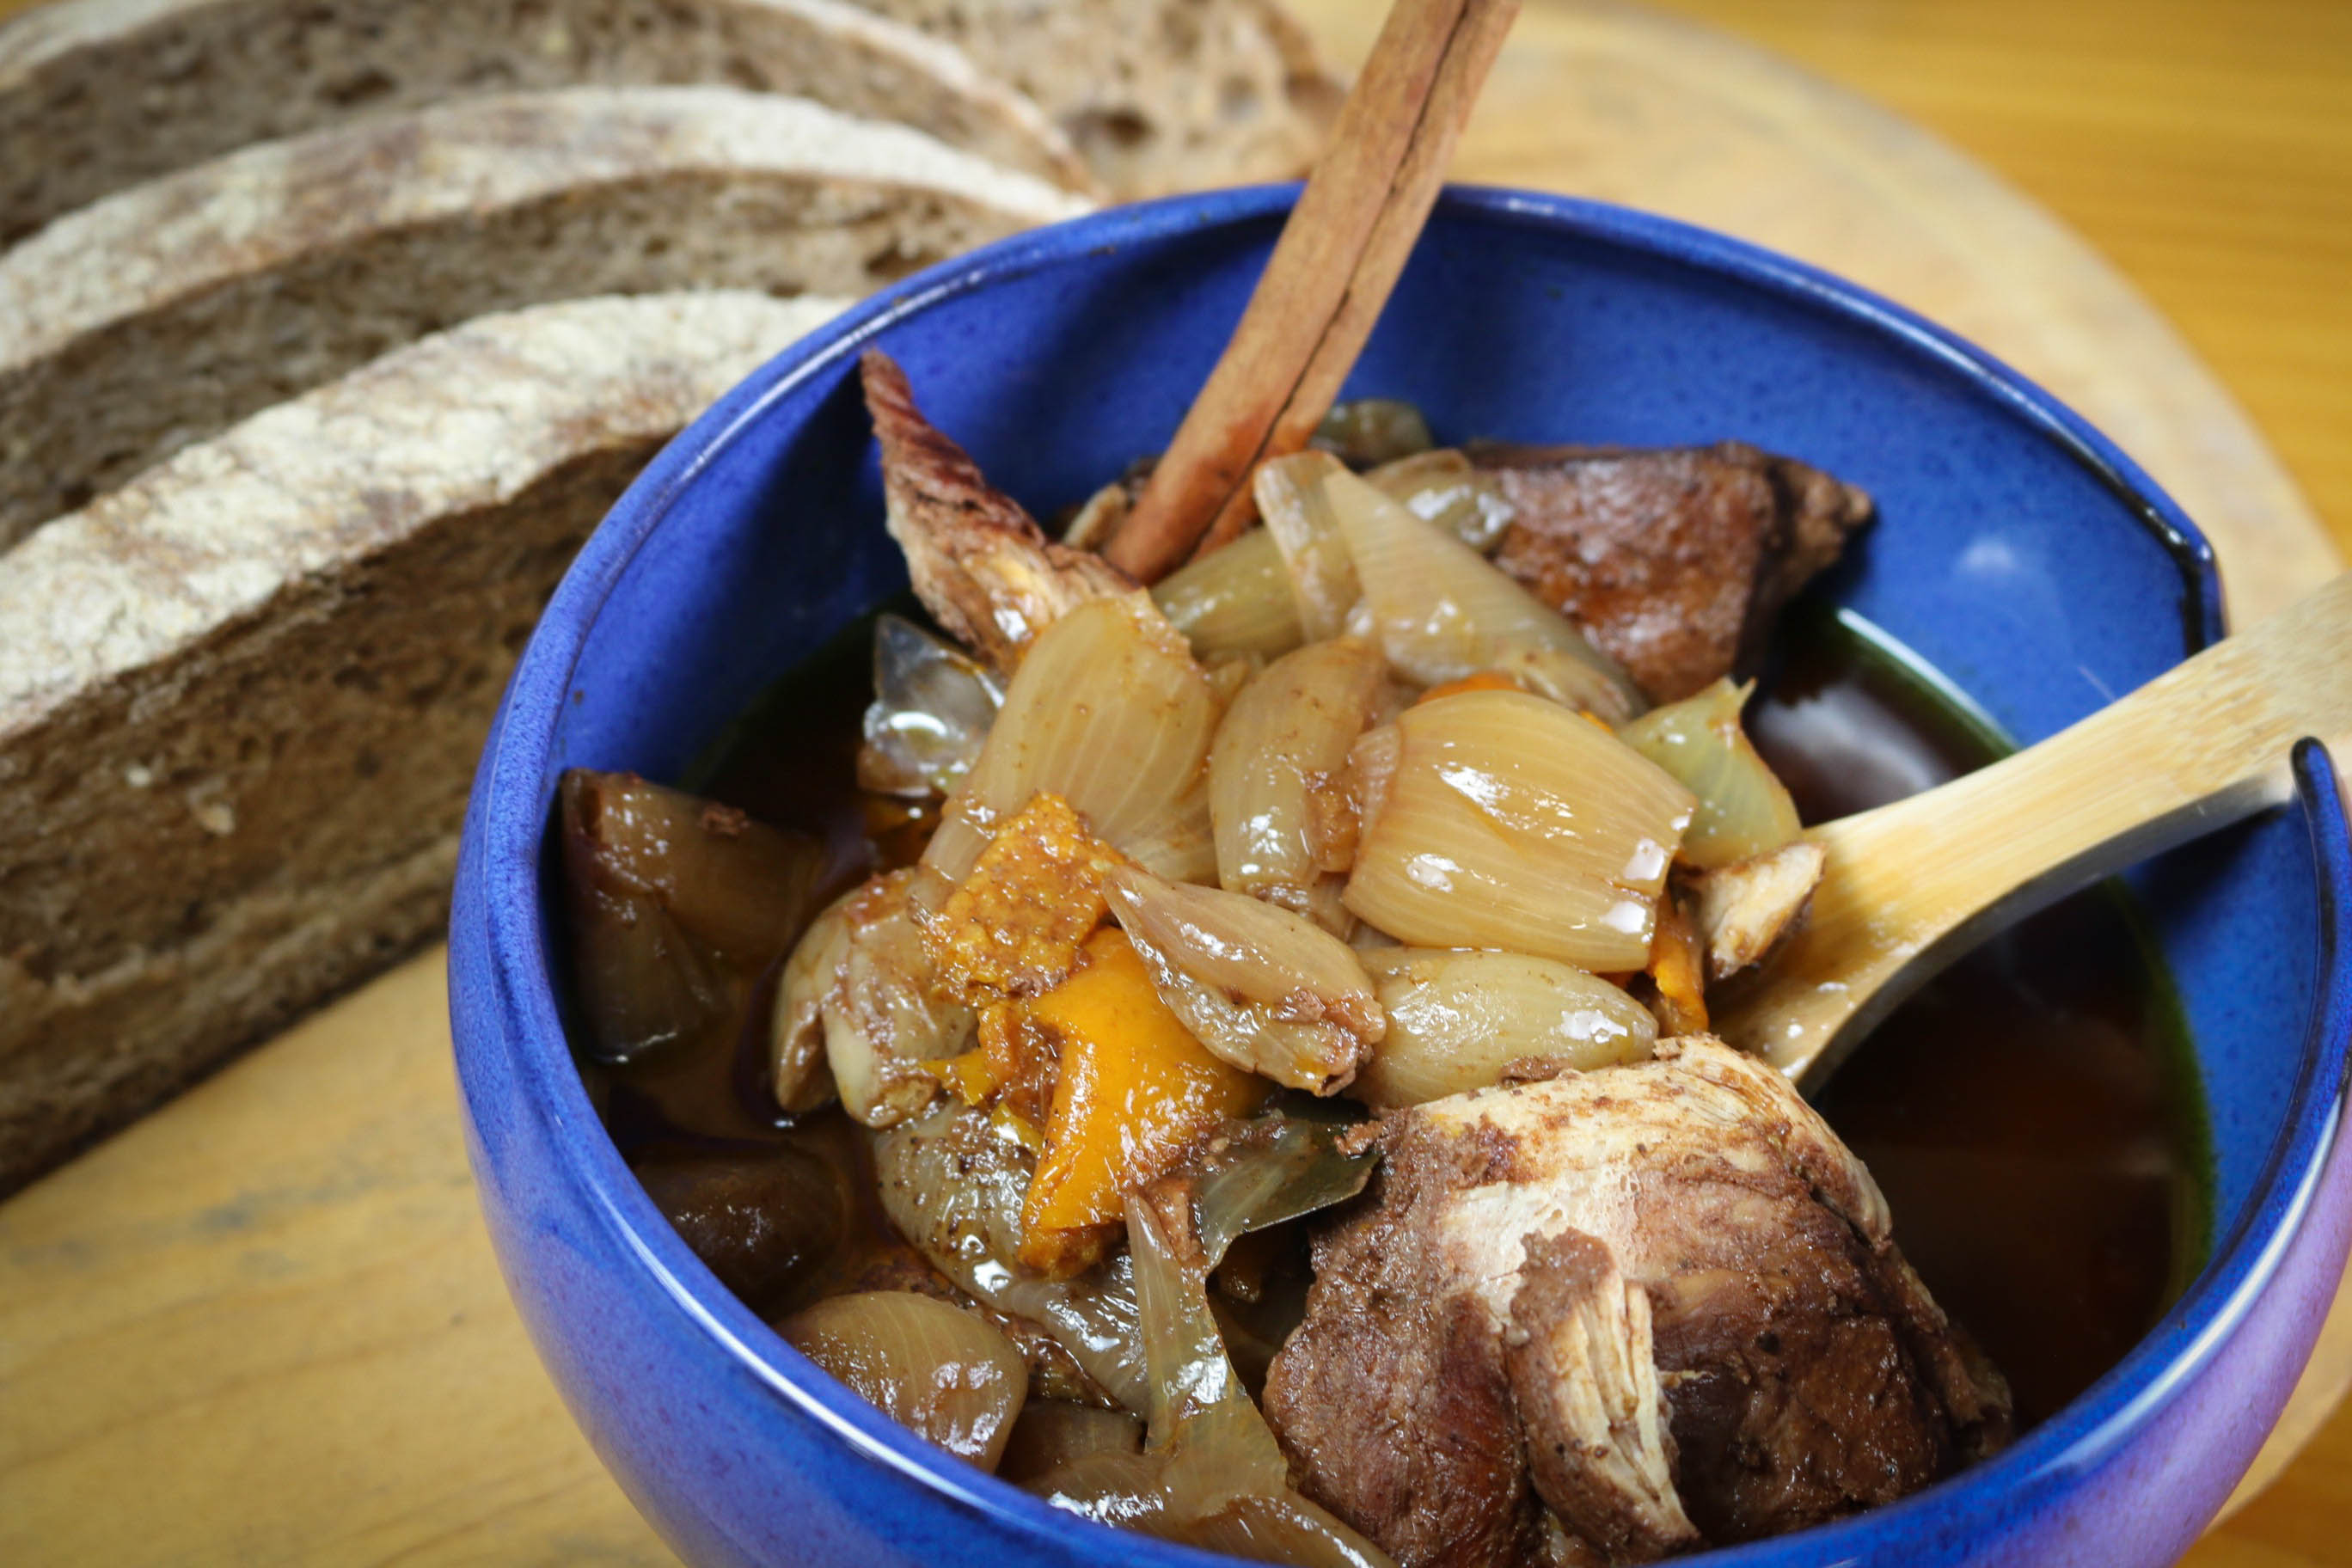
(264, 1326)
(2205, 745)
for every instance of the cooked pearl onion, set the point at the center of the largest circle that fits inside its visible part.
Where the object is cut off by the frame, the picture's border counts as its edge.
(1442, 612)
(931, 1367)
(1263, 988)
(1457, 1019)
(1109, 712)
(1234, 601)
(1497, 819)
(1743, 810)
(1273, 761)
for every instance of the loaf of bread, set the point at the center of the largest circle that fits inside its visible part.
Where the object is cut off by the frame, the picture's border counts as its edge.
(96, 95)
(169, 310)
(1158, 95)
(241, 698)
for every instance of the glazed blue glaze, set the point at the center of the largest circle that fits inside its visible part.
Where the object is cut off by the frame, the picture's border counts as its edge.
(2016, 550)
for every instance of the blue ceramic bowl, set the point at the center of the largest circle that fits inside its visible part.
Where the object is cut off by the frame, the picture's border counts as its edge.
(2017, 549)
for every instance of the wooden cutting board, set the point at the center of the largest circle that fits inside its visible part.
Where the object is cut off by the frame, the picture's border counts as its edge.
(266, 1326)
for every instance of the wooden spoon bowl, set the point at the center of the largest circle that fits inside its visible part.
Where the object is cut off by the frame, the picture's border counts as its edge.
(1910, 886)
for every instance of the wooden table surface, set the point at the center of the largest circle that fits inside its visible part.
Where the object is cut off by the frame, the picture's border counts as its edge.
(264, 1326)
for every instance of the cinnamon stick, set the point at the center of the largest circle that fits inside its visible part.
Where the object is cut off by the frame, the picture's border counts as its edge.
(1325, 284)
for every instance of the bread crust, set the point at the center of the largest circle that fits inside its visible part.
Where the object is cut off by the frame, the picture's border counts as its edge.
(242, 697)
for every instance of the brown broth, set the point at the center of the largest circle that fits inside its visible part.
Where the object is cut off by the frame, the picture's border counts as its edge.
(2030, 1113)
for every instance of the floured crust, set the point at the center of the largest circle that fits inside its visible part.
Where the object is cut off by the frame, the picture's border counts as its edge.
(241, 699)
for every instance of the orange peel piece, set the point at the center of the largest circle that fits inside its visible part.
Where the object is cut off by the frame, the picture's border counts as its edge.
(1014, 925)
(1134, 1092)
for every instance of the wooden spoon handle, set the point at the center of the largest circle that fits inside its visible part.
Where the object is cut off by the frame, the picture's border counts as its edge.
(1323, 288)
(2201, 746)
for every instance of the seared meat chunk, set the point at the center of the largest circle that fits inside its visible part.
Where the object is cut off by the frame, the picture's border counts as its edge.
(1584, 1377)
(1676, 560)
(1478, 1324)
(980, 564)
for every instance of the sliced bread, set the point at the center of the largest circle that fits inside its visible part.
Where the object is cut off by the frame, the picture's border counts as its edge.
(241, 698)
(1158, 95)
(96, 95)
(167, 311)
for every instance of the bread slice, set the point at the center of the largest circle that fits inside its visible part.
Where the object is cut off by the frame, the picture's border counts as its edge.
(96, 95)
(242, 697)
(170, 310)
(1158, 95)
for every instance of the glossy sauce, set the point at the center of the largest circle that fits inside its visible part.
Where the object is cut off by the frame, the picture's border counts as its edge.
(2030, 1114)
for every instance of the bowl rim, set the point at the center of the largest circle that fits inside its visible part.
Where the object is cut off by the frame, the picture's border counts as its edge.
(505, 828)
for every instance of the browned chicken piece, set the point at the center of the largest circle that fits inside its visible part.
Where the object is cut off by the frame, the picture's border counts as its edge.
(1744, 908)
(980, 564)
(1472, 1326)
(1584, 1380)
(1676, 561)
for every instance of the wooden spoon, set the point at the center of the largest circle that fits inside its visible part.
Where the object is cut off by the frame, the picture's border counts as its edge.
(1324, 286)
(1911, 885)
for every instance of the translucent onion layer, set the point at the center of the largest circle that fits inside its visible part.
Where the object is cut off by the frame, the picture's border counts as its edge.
(884, 1017)
(1444, 487)
(953, 1187)
(1271, 771)
(1366, 431)
(1265, 989)
(1458, 1018)
(1274, 1169)
(1744, 810)
(1298, 518)
(1109, 712)
(1234, 601)
(934, 1368)
(796, 1066)
(1053, 1433)
(933, 705)
(1442, 612)
(1497, 819)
